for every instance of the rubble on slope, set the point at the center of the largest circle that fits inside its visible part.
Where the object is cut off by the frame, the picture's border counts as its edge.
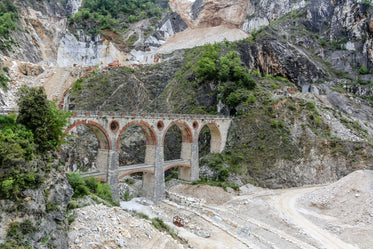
(350, 199)
(99, 226)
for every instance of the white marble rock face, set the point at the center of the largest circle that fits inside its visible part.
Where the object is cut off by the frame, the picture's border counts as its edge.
(211, 13)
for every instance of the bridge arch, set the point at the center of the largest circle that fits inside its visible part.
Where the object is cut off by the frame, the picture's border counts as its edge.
(177, 165)
(136, 171)
(186, 140)
(150, 135)
(184, 171)
(101, 134)
(216, 137)
(186, 132)
(147, 181)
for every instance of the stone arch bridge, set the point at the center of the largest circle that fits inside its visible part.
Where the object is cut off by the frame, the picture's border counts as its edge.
(108, 128)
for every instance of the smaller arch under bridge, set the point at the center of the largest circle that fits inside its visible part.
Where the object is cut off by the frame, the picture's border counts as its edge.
(109, 127)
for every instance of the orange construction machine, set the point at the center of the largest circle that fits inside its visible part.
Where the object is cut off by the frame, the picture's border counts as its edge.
(114, 64)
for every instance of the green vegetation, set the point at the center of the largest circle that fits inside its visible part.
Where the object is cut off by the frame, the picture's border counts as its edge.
(366, 3)
(233, 78)
(364, 70)
(19, 141)
(77, 86)
(224, 185)
(16, 148)
(171, 174)
(105, 14)
(8, 16)
(16, 233)
(42, 117)
(4, 81)
(88, 186)
(159, 224)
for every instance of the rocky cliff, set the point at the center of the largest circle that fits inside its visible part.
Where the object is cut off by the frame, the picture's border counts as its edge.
(39, 217)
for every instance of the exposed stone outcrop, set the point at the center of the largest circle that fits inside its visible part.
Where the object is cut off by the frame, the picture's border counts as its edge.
(210, 13)
(273, 57)
(209, 21)
(174, 24)
(191, 38)
(115, 228)
(45, 209)
(261, 13)
(72, 6)
(88, 50)
(30, 69)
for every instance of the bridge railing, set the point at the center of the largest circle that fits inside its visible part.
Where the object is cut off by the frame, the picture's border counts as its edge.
(82, 113)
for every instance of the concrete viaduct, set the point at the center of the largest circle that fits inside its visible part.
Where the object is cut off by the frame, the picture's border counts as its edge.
(108, 128)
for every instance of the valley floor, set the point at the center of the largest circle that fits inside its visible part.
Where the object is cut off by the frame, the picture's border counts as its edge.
(338, 215)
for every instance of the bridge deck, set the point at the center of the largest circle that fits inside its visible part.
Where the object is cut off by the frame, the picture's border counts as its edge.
(139, 167)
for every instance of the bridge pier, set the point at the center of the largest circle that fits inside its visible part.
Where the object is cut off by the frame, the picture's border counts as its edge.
(194, 162)
(102, 160)
(112, 173)
(159, 183)
(148, 185)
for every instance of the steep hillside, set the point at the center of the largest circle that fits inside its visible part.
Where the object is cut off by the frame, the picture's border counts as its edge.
(279, 136)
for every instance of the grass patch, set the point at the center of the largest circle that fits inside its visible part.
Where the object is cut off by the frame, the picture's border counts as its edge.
(83, 187)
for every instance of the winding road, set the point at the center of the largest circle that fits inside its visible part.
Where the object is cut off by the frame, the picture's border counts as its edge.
(286, 204)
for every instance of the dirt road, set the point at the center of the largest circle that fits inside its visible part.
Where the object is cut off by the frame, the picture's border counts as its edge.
(286, 204)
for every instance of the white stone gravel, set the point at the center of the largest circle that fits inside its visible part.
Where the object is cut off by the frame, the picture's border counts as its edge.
(99, 226)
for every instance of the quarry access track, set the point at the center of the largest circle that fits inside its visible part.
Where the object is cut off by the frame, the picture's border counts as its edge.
(244, 231)
(286, 203)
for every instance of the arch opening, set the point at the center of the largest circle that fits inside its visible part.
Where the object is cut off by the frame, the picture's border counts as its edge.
(136, 183)
(87, 148)
(172, 144)
(209, 132)
(132, 146)
(135, 143)
(177, 171)
(177, 141)
(204, 142)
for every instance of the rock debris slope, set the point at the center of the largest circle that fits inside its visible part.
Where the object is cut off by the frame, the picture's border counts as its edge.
(344, 208)
(100, 226)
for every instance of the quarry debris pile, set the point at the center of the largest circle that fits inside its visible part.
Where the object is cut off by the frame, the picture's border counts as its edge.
(350, 199)
(99, 226)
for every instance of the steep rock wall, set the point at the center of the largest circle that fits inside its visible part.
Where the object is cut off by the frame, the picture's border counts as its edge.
(87, 51)
(45, 208)
(279, 59)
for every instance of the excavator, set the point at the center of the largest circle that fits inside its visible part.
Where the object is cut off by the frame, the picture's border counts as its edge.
(114, 64)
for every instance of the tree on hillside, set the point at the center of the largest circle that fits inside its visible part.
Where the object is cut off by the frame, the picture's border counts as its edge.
(42, 117)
